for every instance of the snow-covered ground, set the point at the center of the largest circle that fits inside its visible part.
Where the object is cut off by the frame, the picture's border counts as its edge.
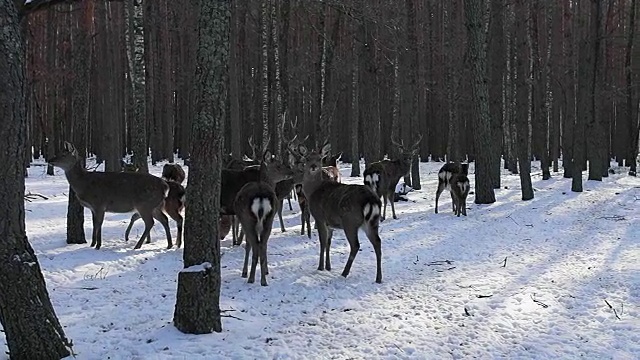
(514, 279)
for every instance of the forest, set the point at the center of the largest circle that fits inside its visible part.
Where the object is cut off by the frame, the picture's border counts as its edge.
(495, 83)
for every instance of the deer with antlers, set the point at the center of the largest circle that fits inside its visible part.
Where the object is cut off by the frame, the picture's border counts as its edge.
(340, 206)
(383, 176)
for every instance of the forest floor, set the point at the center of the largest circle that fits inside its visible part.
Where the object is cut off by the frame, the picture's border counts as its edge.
(554, 277)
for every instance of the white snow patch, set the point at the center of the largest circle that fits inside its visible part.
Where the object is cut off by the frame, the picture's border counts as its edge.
(198, 267)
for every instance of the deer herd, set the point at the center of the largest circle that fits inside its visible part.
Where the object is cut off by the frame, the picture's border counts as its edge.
(253, 191)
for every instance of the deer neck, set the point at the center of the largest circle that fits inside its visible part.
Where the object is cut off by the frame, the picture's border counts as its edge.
(75, 176)
(311, 182)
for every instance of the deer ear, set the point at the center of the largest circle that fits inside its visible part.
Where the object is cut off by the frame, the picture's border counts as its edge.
(70, 148)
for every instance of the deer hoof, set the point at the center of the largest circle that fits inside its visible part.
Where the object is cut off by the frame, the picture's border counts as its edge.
(251, 281)
(264, 283)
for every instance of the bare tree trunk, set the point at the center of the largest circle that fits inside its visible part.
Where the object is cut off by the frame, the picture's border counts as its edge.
(197, 309)
(265, 74)
(631, 100)
(522, 99)
(585, 52)
(355, 105)
(31, 328)
(497, 65)
(235, 78)
(595, 130)
(473, 10)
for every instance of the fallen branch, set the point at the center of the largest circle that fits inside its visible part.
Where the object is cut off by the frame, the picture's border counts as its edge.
(539, 302)
(505, 262)
(451, 268)
(440, 262)
(32, 196)
(612, 308)
(613, 217)
(466, 312)
(483, 296)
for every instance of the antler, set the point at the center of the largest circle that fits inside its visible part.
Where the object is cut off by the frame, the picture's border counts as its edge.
(396, 143)
(417, 143)
(253, 147)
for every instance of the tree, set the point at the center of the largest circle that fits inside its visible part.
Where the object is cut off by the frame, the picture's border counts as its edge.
(522, 98)
(473, 10)
(30, 324)
(631, 100)
(197, 309)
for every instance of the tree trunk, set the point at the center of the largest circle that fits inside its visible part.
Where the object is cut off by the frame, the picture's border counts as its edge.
(522, 99)
(631, 100)
(595, 130)
(31, 328)
(235, 78)
(497, 66)
(355, 106)
(136, 69)
(585, 52)
(473, 10)
(265, 74)
(80, 113)
(412, 73)
(197, 309)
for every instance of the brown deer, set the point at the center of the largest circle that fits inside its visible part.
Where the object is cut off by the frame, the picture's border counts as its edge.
(114, 192)
(233, 180)
(383, 176)
(340, 206)
(255, 206)
(453, 177)
(173, 172)
(330, 167)
(173, 206)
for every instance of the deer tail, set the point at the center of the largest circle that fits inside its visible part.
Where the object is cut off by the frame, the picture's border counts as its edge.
(260, 207)
(371, 212)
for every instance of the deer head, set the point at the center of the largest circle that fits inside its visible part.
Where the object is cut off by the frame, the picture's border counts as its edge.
(67, 158)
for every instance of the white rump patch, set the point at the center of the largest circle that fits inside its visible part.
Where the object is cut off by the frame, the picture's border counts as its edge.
(260, 204)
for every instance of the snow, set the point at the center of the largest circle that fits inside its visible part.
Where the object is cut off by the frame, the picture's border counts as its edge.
(514, 279)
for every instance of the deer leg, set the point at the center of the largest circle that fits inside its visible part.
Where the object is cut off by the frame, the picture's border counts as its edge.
(454, 202)
(247, 249)
(352, 236)
(175, 215)
(302, 220)
(264, 267)
(464, 206)
(374, 237)
(134, 218)
(280, 204)
(384, 211)
(322, 234)
(327, 260)
(162, 218)
(254, 261)
(147, 217)
(393, 207)
(289, 201)
(438, 192)
(308, 220)
(98, 218)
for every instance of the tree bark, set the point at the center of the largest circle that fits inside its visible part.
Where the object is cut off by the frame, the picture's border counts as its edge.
(31, 328)
(473, 10)
(80, 113)
(497, 66)
(136, 69)
(355, 106)
(595, 130)
(197, 309)
(631, 100)
(522, 99)
(265, 74)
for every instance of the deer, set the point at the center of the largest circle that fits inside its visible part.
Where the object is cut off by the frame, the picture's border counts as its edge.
(233, 180)
(340, 206)
(173, 172)
(255, 206)
(173, 205)
(453, 177)
(114, 192)
(383, 176)
(330, 167)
